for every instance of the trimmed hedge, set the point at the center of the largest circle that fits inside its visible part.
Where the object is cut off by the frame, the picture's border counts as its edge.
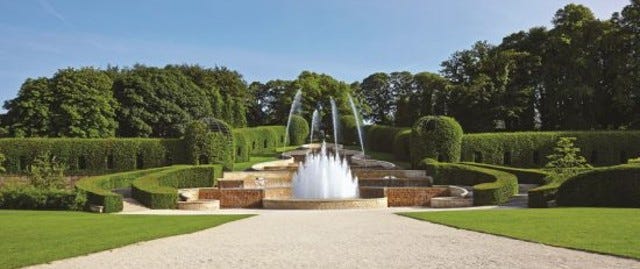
(98, 190)
(380, 137)
(529, 149)
(541, 196)
(436, 137)
(490, 187)
(158, 190)
(94, 156)
(349, 130)
(29, 197)
(615, 186)
(402, 145)
(210, 142)
(257, 140)
(525, 176)
(298, 131)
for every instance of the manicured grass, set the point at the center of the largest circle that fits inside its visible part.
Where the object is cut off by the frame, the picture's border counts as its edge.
(604, 230)
(33, 237)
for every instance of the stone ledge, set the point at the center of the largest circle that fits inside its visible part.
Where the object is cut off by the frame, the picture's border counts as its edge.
(324, 203)
(200, 205)
(450, 202)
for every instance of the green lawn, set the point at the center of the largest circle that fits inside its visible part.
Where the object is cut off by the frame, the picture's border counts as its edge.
(605, 230)
(33, 237)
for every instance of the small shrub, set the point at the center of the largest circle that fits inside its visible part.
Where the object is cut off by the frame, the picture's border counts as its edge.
(46, 172)
(566, 159)
(2, 159)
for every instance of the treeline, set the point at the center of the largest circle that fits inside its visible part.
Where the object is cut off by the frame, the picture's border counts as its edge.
(581, 74)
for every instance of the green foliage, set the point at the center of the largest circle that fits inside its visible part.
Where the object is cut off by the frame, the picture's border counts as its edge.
(31, 197)
(566, 158)
(2, 159)
(99, 155)
(436, 137)
(98, 190)
(257, 140)
(210, 141)
(541, 196)
(527, 149)
(298, 131)
(525, 176)
(349, 130)
(29, 114)
(46, 172)
(402, 145)
(380, 137)
(159, 189)
(615, 186)
(490, 187)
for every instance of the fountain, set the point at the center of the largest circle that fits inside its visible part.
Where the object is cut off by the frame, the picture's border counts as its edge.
(357, 119)
(295, 106)
(323, 176)
(315, 124)
(334, 115)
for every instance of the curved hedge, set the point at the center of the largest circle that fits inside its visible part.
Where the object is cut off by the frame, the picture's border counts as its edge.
(94, 156)
(159, 190)
(298, 130)
(380, 137)
(525, 176)
(98, 190)
(528, 149)
(436, 137)
(490, 187)
(616, 186)
(257, 140)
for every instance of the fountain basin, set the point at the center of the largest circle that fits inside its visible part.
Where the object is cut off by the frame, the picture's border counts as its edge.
(325, 203)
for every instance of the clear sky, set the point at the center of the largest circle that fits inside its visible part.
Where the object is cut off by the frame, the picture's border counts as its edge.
(261, 39)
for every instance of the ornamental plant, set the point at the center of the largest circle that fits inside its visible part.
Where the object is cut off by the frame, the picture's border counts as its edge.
(566, 159)
(46, 172)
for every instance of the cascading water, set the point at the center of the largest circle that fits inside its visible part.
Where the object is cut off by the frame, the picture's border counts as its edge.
(315, 124)
(357, 118)
(295, 105)
(334, 115)
(324, 176)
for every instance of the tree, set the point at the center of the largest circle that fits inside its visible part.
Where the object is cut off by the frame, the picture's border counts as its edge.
(158, 102)
(29, 114)
(566, 159)
(83, 104)
(376, 93)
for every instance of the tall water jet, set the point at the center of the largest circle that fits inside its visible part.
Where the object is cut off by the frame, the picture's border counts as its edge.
(324, 176)
(334, 115)
(357, 119)
(315, 124)
(295, 105)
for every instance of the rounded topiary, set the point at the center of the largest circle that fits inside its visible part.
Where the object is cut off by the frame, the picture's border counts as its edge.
(298, 131)
(210, 141)
(436, 137)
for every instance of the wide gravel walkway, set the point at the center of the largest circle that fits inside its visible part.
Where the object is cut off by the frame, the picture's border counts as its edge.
(338, 239)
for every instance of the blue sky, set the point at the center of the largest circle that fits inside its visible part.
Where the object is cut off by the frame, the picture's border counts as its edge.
(263, 40)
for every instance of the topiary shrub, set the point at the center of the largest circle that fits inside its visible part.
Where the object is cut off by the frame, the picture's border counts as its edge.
(298, 130)
(380, 138)
(402, 145)
(436, 137)
(615, 186)
(159, 189)
(210, 141)
(30, 197)
(349, 130)
(490, 187)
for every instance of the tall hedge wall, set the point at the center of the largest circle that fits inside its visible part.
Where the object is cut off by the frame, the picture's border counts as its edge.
(298, 131)
(528, 149)
(490, 187)
(159, 190)
(210, 142)
(616, 186)
(349, 130)
(94, 156)
(402, 145)
(98, 189)
(257, 140)
(436, 137)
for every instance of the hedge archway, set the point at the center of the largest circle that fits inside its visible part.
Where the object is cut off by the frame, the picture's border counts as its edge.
(436, 137)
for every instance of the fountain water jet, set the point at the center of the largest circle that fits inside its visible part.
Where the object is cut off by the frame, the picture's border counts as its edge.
(324, 176)
(357, 119)
(295, 106)
(334, 115)
(315, 124)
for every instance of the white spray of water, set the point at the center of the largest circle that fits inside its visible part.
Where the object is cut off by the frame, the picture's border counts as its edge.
(295, 106)
(334, 114)
(357, 118)
(315, 124)
(324, 176)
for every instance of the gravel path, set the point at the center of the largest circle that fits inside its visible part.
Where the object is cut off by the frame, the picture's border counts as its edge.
(338, 239)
